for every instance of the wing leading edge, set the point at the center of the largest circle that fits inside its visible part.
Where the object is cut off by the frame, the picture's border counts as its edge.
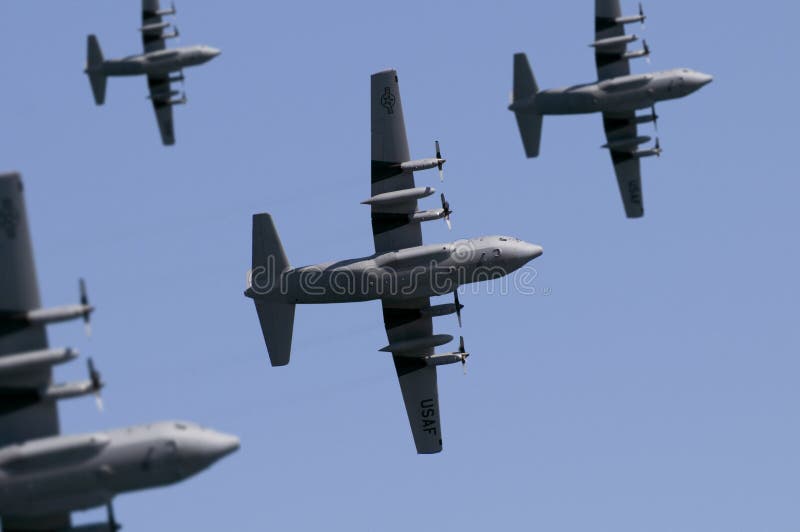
(405, 320)
(19, 293)
(391, 226)
(621, 133)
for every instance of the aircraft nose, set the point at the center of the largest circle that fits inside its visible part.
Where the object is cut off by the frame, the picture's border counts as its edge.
(221, 445)
(214, 51)
(704, 79)
(531, 251)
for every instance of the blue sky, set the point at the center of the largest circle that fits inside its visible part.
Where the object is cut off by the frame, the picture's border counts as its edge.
(654, 388)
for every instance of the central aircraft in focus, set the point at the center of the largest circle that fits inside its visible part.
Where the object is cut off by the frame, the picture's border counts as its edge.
(162, 66)
(402, 273)
(617, 94)
(44, 476)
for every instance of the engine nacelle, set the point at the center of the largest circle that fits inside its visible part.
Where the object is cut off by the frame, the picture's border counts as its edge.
(427, 216)
(409, 347)
(446, 358)
(399, 196)
(154, 28)
(18, 362)
(421, 164)
(614, 41)
(650, 152)
(440, 310)
(625, 144)
(58, 314)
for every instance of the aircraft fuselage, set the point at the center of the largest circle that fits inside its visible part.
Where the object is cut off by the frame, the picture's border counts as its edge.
(67, 473)
(621, 94)
(421, 271)
(161, 62)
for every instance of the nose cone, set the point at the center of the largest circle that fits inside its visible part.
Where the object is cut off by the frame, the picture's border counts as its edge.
(529, 252)
(705, 79)
(214, 52)
(204, 447)
(220, 445)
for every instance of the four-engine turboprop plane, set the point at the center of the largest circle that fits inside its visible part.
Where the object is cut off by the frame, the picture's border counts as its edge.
(403, 273)
(157, 62)
(617, 95)
(45, 476)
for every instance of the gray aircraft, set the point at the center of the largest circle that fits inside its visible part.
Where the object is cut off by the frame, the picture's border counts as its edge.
(617, 94)
(45, 476)
(402, 273)
(162, 66)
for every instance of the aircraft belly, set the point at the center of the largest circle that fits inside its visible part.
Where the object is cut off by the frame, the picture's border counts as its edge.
(123, 68)
(566, 103)
(347, 286)
(52, 493)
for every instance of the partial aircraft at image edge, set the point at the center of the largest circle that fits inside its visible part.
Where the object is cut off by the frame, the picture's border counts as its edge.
(157, 62)
(617, 95)
(402, 273)
(45, 476)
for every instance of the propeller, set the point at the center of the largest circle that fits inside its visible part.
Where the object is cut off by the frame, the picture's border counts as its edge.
(657, 147)
(440, 161)
(112, 521)
(464, 354)
(97, 383)
(646, 51)
(655, 117)
(87, 308)
(459, 306)
(641, 14)
(447, 211)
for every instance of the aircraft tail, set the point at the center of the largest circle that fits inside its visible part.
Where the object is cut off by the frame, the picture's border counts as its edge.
(522, 103)
(269, 262)
(94, 68)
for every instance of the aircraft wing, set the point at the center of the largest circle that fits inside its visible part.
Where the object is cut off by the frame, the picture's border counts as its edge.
(404, 320)
(620, 127)
(161, 94)
(46, 523)
(390, 223)
(611, 61)
(153, 37)
(19, 293)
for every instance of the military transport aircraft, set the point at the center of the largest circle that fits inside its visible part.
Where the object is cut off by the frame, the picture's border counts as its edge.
(157, 62)
(617, 95)
(403, 273)
(45, 476)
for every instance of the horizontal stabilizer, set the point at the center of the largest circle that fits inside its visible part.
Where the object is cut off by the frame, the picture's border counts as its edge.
(524, 82)
(94, 68)
(530, 129)
(277, 324)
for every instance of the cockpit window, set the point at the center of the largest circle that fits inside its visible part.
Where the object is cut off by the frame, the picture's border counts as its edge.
(180, 426)
(503, 239)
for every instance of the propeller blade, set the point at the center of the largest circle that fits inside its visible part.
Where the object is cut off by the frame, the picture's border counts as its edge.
(112, 521)
(641, 14)
(447, 211)
(440, 161)
(88, 310)
(97, 383)
(464, 354)
(655, 117)
(459, 306)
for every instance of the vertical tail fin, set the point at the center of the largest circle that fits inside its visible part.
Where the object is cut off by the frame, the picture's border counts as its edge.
(269, 262)
(528, 121)
(94, 68)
